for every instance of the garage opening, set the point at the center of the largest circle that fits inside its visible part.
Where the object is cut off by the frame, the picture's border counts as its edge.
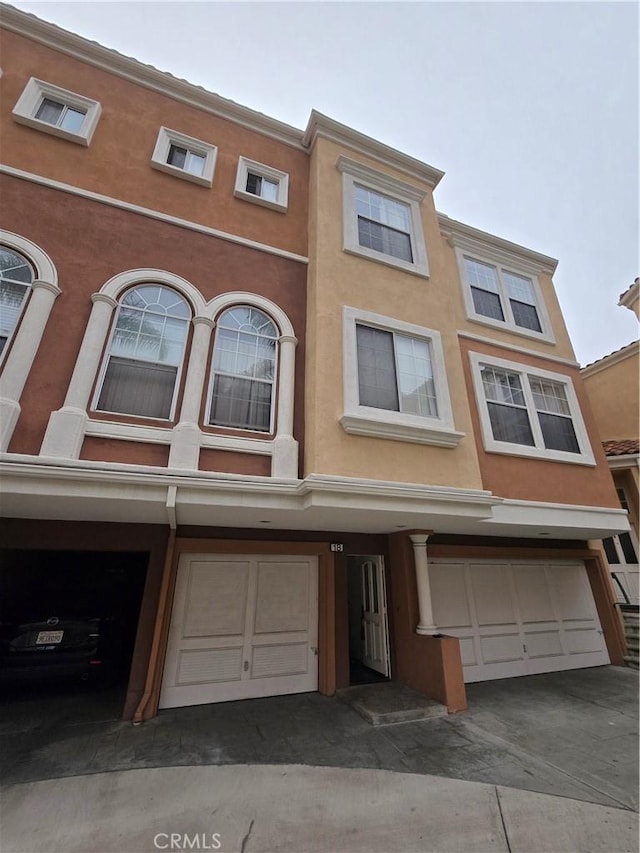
(68, 622)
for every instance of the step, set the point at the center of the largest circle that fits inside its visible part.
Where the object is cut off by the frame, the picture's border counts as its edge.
(632, 662)
(390, 702)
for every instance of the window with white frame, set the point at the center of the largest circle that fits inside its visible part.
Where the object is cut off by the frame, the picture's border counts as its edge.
(242, 394)
(382, 218)
(395, 382)
(57, 111)
(16, 276)
(142, 369)
(500, 296)
(529, 412)
(262, 184)
(184, 156)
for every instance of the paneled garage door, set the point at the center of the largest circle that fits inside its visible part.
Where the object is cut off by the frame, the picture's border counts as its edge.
(241, 627)
(517, 618)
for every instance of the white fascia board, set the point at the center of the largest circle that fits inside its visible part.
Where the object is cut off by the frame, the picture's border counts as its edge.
(320, 125)
(630, 460)
(145, 75)
(594, 521)
(474, 240)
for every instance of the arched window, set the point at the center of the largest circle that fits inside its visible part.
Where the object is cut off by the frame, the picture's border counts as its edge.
(244, 370)
(146, 353)
(16, 275)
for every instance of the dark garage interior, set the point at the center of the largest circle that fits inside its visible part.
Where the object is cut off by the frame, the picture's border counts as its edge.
(68, 619)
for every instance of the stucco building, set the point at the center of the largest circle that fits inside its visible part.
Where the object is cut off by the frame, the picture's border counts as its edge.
(295, 424)
(613, 387)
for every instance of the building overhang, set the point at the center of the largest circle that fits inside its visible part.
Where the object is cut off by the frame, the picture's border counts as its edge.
(78, 490)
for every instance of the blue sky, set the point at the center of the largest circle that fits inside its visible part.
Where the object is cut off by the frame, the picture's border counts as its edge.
(531, 109)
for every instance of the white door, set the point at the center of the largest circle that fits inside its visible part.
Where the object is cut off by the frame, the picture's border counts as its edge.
(375, 644)
(241, 627)
(517, 618)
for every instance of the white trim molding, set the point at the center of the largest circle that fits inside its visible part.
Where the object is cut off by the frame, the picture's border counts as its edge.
(538, 450)
(488, 258)
(274, 176)
(494, 342)
(151, 214)
(21, 348)
(167, 139)
(395, 425)
(357, 174)
(32, 98)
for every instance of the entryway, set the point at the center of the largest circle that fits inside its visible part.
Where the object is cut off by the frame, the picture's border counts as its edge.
(242, 626)
(368, 625)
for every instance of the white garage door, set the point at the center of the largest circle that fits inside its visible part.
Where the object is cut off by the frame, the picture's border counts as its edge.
(517, 618)
(241, 627)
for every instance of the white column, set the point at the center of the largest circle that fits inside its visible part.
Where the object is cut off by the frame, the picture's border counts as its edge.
(22, 355)
(426, 624)
(65, 431)
(284, 462)
(186, 436)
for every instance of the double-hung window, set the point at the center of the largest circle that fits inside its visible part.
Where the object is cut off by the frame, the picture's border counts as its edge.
(262, 185)
(16, 276)
(184, 157)
(394, 381)
(529, 412)
(57, 111)
(381, 217)
(142, 368)
(244, 370)
(502, 297)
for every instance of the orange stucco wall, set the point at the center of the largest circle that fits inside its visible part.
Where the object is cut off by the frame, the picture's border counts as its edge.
(537, 479)
(118, 161)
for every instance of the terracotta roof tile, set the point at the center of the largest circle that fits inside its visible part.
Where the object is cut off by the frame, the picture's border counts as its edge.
(623, 447)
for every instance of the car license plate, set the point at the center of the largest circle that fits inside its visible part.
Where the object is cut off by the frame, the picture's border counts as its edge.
(46, 638)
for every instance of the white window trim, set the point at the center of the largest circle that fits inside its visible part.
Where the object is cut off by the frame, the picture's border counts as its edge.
(165, 281)
(539, 451)
(356, 173)
(382, 423)
(32, 96)
(281, 178)
(517, 267)
(167, 138)
(274, 384)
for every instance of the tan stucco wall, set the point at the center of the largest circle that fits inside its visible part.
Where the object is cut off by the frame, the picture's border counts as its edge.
(126, 135)
(337, 279)
(614, 393)
(561, 348)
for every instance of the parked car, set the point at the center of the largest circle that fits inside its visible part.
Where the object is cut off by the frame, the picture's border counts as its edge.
(57, 647)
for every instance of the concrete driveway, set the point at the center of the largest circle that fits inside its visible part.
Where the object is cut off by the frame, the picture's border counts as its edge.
(570, 734)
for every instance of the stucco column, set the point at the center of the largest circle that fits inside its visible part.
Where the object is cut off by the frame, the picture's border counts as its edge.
(22, 354)
(65, 431)
(186, 435)
(426, 624)
(284, 462)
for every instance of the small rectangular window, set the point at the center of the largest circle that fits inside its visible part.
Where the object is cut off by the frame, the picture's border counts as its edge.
(184, 157)
(57, 111)
(262, 185)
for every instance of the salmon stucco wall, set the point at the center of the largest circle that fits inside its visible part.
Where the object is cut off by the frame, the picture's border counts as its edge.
(530, 479)
(118, 161)
(89, 243)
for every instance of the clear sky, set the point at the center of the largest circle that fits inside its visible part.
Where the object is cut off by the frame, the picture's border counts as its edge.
(531, 109)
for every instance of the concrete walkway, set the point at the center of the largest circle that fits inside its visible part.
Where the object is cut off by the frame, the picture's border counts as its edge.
(294, 809)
